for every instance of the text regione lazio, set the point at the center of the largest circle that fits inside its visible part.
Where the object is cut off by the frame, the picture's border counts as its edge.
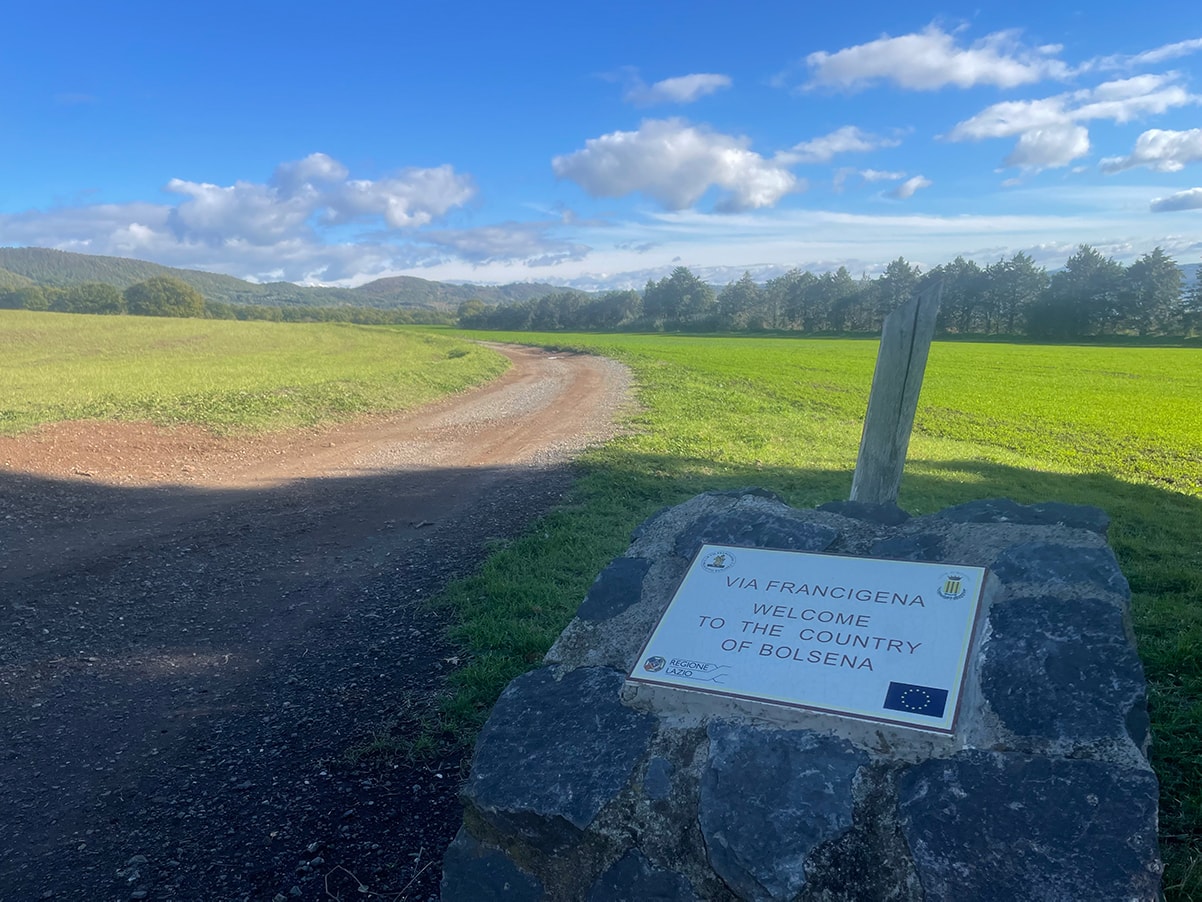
(874, 639)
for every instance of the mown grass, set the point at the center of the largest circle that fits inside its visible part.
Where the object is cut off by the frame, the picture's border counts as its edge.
(227, 376)
(1117, 428)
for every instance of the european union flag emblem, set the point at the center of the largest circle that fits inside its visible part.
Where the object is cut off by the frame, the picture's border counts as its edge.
(916, 699)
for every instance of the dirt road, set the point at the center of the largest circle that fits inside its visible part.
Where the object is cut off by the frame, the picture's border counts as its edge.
(194, 630)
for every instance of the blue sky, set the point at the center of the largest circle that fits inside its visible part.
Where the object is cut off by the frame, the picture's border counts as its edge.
(598, 144)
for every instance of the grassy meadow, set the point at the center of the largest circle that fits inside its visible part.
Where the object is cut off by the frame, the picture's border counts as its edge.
(1115, 427)
(228, 376)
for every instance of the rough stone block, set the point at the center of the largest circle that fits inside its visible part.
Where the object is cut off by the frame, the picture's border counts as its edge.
(657, 783)
(554, 752)
(989, 825)
(768, 797)
(633, 877)
(756, 529)
(1062, 671)
(924, 546)
(618, 587)
(887, 514)
(1061, 567)
(473, 872)
(1003, 510)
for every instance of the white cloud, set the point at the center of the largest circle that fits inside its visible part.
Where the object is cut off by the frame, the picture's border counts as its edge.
(295, 176)
(1161, 150)
(868, 175)
(1048, 128)
(931, 59)
(1049, 148)
(1182, 200)
(1010, 117)
(1131, 98)
(257, 214)
(675, 163)
(1170, 51)
(877, 175)
(509, 243)
(1120, 101)
(848, 139)
(907, 188)
(258, 230)
(315, 190)
(681, 89)
(1156, 55)
(413, 197)
(142, 231)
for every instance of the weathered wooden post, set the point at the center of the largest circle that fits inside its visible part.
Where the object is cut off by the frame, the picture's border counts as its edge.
(900, 363)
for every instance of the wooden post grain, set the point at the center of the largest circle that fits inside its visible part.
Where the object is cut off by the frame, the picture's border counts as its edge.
(896, 382)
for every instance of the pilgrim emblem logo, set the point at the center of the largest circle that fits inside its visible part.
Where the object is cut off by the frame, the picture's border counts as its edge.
(718, 561)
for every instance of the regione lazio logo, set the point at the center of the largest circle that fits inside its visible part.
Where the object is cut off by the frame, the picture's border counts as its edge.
(953, 586)
(718, 561)
(654, 665)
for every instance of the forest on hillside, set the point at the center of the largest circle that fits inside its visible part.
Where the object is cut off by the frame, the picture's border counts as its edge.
(167, 296)
(1091, 296)
(46, 268)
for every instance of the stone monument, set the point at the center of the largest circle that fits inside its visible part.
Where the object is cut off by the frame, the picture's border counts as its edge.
(594, 780)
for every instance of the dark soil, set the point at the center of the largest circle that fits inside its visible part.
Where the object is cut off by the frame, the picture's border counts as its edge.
(196, 631)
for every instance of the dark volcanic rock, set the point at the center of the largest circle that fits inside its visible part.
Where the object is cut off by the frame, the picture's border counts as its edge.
(883, 514)
(768, 797)
(633, 877)
(924, 546)
(989, 825)
(1058, 567)
(755, 529)
(554, 752)
(1003, 510)
(616, 589)
(1062, 670)
(473, 872)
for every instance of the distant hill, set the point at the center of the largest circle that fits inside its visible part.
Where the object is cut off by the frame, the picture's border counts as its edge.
(445, 294)
(11, 280)
(61, 268)
(21, 266)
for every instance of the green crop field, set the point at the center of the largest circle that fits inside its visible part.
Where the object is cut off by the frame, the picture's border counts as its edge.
(1115, 427)
(228, 376)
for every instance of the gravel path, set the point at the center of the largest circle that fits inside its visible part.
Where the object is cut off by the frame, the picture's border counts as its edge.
(196, 630)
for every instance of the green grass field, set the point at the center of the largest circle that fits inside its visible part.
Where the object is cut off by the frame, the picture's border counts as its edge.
(1118, 428)
(228, 376)
(1113, 427)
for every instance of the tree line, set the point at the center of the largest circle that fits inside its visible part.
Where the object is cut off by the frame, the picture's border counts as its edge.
(167, 296)
(1091, 296)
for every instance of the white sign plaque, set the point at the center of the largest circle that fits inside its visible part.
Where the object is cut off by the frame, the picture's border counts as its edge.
(875, 639)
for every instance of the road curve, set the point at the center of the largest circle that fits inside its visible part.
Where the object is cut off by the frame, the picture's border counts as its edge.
(194, 633)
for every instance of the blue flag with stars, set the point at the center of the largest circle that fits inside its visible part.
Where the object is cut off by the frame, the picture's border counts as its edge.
(916, 699)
